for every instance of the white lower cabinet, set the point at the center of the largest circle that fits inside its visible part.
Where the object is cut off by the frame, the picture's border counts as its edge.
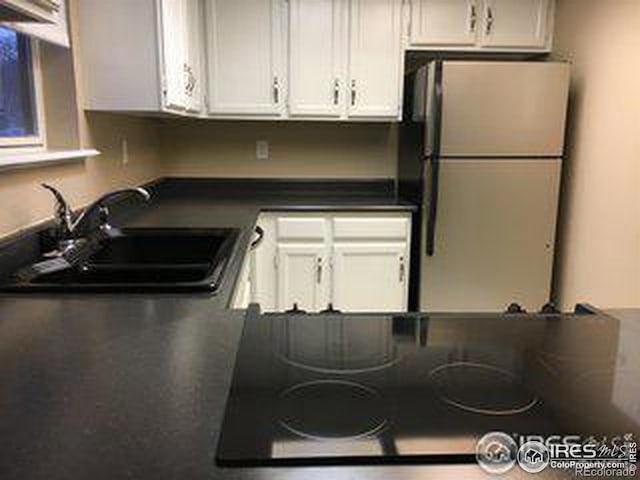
(301, 276)
(358, 262)
(370, 274)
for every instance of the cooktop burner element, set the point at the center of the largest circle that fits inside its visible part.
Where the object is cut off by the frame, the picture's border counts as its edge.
(482, 389)
(332, 409)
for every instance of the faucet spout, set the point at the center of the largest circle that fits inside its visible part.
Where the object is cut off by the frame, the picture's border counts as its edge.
(79, 224)
(70, 229)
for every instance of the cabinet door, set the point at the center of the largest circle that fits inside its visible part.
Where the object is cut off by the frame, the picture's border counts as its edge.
(193, 70)
(515, 23)
(174, 39)
(302, 276)
(317, 46)
(444, 22)
(246, 57)
(374, 60)
(370, 277)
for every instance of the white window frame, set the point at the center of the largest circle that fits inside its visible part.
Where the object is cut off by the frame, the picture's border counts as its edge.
(32, 142)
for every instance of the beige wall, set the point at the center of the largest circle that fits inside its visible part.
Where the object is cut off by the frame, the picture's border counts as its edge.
(24, 202)
(599, 259)
(298, 149)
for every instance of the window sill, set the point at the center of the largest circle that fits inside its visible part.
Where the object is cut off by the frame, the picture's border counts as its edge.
(29, 159)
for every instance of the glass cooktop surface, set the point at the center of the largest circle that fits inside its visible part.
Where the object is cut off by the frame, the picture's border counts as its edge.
(413, 388)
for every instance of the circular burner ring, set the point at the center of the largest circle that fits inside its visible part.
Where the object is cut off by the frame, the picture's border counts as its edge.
(498, 411)
(364, 411)
(340, 371)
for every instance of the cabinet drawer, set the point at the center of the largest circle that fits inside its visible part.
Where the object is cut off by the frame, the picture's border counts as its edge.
(301, 228)
(355, 227)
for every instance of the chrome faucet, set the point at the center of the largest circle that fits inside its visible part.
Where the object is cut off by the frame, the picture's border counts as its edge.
(71, 229)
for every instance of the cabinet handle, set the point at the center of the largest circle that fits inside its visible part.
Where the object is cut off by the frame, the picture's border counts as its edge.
(319, 270)
(489, 21)
(276, 90)
(190, 79)
(402, 270)
(473, 17)
(353, 93)
(336, 91)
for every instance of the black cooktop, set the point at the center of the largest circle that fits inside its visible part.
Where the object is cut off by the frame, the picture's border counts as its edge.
(366, 388)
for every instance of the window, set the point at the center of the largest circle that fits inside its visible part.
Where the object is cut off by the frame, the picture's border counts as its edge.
(19, 91)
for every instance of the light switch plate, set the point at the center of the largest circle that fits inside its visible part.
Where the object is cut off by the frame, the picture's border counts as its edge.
(262, 150)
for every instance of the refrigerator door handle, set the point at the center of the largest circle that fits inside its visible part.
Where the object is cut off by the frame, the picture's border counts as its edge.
(432, 207)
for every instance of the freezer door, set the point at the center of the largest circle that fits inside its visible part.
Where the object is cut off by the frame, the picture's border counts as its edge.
(495, 235)
(504, 108)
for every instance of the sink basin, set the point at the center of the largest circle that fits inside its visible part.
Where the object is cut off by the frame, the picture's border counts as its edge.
(163, 260)
(175, 247)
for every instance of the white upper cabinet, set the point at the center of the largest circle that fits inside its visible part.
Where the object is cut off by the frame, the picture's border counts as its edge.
(515, 24)
(481, 25)
(374, 59)
(181, 29)
(444, 22)
(194, 57)
(29, 10)
(173, 18)
(246, 52)
(144, 56)
(317, 49)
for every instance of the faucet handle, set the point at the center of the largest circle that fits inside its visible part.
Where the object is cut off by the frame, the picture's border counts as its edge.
(62, 211)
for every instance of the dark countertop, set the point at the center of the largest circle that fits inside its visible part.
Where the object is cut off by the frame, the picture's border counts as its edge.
(134, 386)
(203, 203)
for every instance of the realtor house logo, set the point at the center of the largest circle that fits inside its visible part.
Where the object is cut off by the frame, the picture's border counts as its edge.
(533, 456)
(498, 452)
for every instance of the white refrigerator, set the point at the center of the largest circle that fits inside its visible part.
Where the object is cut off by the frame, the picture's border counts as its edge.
(481, 153)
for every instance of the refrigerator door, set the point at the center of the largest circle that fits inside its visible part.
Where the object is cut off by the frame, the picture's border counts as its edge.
(495, 236)
(503, 109)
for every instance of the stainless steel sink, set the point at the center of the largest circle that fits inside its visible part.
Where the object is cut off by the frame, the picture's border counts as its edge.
(162, 260)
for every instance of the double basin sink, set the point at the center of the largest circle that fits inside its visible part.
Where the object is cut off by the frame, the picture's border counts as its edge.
(153, 260)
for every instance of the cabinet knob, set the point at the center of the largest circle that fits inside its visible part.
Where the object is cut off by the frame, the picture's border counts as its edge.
(336, 91)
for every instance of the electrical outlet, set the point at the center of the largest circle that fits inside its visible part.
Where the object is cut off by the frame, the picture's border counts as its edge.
(262, 150)
(125, 152)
